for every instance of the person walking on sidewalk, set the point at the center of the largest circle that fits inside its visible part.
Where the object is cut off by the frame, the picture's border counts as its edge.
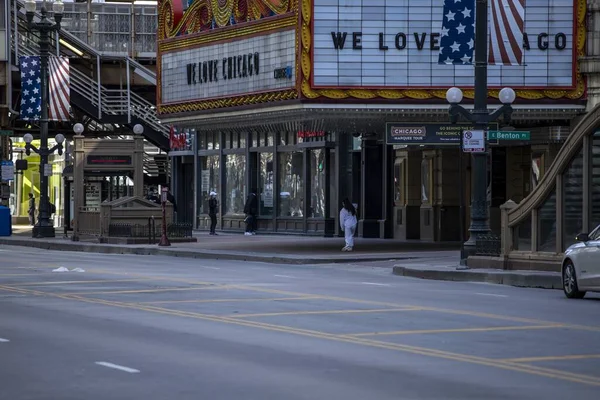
(251, 211)
(31, 210)
(348, 223)
(213, 206)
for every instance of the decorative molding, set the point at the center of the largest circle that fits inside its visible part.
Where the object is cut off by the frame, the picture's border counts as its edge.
(394, 94)
(228, 102)
(209, 15)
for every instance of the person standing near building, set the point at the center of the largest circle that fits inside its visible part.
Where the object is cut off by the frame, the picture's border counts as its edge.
(213, 207)
(348, 223)
(251, 211)
(31, 210)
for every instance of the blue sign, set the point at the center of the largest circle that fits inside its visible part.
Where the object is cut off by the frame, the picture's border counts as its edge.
(7, 170)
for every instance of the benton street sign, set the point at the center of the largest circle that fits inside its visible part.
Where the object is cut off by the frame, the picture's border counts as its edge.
(509, 135)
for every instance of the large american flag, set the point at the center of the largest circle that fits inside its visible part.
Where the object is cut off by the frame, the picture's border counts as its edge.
(506, 32)
(458, 32)
(31, 95)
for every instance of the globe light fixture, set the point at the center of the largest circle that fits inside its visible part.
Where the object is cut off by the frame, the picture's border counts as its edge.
(507, 95)
(78, 128)
(454, 95)
(138, 129)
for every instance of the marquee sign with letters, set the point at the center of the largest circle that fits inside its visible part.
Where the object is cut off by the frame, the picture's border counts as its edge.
(390, 49)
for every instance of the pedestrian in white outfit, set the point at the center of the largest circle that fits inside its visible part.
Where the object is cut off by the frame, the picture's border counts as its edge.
(348, 223)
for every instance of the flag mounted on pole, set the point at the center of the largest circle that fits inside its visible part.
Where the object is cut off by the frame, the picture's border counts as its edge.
(458, 32)
(59, 103)
(31, 88)
(506, 32)
(31, 95)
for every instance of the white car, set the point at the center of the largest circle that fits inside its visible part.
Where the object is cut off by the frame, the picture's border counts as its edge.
(581, 265)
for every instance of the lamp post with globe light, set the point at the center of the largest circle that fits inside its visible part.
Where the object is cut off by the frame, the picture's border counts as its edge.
(44, 228)
(481, 118)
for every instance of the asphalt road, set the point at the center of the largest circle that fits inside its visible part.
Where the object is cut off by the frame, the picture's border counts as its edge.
(135, 327)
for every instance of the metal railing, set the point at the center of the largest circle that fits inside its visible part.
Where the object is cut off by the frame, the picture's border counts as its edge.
(107, 101)
(151, 230)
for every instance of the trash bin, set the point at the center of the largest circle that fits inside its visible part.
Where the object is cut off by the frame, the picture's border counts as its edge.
(5, 221)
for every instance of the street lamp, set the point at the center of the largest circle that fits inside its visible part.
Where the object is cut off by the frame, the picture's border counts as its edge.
(480, 117)
(44, 227)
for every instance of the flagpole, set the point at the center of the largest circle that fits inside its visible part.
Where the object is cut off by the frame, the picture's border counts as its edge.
(44, 227)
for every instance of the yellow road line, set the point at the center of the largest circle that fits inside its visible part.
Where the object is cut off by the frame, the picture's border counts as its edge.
(150, 290)
(76, 282)
(316, 312)
(229, 300)
(551, 358)
(534, 370)
(489, 329)
(371, 302)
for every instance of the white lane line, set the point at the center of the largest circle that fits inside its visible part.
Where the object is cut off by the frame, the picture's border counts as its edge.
(375, 284)
(4, 340)
(119, 367)
(209, 267)
(491, 294)
(285, 276)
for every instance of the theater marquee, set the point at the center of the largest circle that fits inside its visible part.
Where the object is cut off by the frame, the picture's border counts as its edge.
(390, 49)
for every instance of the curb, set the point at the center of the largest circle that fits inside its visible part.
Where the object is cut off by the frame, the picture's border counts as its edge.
(529, 279)
(208, 255)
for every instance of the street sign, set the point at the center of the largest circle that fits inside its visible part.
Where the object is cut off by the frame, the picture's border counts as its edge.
(473, 141)
(509, 135)
(6, 133)
(8, 171)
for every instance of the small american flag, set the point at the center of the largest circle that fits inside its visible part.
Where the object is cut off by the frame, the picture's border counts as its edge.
(506, 32)
(31, 94)
(458, 32)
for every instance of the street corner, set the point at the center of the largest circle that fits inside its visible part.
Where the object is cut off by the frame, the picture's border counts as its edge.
(529, 279)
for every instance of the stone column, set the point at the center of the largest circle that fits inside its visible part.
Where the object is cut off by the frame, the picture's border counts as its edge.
(78, 182)
(138, 164)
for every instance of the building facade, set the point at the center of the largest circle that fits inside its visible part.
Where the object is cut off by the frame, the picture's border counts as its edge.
(313, 101)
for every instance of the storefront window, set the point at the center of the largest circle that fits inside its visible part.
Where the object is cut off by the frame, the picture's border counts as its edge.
(235, 183)
(291, 185)
(399, 183)
(266, 184)
(210, 181)
(426, 165)
(595, 187)
(573, 200)
(317, 183)
(547, 224)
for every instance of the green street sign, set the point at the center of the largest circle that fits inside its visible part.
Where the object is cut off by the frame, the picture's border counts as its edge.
(509, 135)
(6, 133)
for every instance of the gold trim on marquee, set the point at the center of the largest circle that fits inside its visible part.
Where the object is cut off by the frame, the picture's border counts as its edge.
(205, 105)
(364, 94)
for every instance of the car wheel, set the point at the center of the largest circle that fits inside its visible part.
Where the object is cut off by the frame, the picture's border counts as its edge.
(570, 281)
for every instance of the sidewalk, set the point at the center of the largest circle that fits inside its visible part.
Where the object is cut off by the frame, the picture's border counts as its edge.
(281, 249)
(445, 271)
